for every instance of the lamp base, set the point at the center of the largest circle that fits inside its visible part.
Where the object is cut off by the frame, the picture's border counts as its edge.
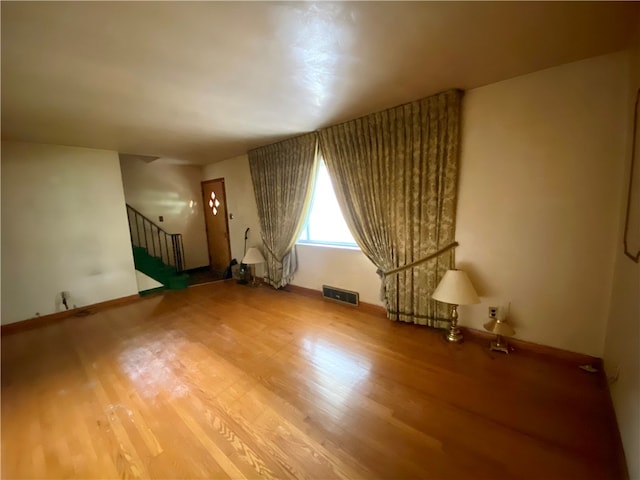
(454, 335)
(499, 345)
(253, 281)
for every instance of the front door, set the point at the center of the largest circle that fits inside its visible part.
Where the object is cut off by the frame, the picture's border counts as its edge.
(215, 215)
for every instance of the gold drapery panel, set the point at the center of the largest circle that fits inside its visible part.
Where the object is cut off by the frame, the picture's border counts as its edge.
(282, 176)
(395, 174)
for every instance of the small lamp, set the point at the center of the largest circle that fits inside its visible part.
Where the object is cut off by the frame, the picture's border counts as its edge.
(455, 288)
(502, 329)
(253, 257)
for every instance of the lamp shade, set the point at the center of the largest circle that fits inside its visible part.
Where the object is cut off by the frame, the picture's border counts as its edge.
(253, 256)
(455, 288)
(500, 327)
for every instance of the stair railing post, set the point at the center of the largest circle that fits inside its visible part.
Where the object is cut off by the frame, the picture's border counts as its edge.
(176, 258)
(175, 255)
(144, 229)
(182, 259)
(166, 246)
(153, 239)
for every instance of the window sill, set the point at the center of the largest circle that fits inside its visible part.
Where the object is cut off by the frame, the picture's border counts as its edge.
(329, 245)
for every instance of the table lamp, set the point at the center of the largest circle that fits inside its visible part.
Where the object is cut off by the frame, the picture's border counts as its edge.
(455, 288)
(501, 328)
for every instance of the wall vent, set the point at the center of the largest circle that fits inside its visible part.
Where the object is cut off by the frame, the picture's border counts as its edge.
(340, 295)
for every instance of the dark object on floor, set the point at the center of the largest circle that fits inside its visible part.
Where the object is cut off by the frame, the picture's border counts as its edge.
(227, 272)
(235, 272)
(244, 274)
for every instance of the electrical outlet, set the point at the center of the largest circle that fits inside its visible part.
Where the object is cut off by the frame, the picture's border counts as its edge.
(493, 312)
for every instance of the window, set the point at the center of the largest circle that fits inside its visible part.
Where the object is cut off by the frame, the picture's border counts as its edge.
(325, 224)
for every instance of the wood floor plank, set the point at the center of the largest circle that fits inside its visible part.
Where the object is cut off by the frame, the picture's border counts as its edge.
(226, 381)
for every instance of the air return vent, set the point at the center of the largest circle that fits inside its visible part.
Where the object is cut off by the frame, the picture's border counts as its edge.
(340, 295)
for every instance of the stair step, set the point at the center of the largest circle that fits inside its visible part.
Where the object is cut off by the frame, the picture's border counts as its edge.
(155, 268)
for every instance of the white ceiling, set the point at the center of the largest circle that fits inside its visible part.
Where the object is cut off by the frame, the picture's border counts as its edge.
(207, 81)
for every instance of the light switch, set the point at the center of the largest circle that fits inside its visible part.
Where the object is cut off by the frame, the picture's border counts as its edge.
(161, 218)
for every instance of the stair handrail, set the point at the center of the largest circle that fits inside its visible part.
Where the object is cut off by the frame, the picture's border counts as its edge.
(177, 246)
(150, 221)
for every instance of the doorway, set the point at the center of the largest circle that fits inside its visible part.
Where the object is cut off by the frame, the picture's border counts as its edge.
(217, 224)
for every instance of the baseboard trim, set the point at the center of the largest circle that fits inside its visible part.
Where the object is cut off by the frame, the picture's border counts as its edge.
(37, 322)
(310, 292)
(472, 333)
(567, 358)
(557, 353)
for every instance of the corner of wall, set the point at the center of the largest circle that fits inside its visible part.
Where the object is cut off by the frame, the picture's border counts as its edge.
(622, 330)
(76, 194)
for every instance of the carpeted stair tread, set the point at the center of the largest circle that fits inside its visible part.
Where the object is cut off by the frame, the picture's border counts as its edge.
(156, 269)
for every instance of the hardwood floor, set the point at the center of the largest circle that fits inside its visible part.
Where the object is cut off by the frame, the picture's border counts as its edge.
(226, 381)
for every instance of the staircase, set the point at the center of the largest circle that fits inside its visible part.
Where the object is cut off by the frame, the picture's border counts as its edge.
(157, 253)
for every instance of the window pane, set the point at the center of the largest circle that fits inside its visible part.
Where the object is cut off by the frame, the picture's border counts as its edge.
(325, 223)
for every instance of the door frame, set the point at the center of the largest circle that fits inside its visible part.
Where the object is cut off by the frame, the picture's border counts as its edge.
(226, 216)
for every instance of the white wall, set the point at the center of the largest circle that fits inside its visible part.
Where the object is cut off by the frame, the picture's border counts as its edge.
(622, 346)
(540, 184)
(241, 203)
(64, 228)
(173, 191)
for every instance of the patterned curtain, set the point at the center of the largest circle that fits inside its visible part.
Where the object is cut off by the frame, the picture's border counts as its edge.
(395, 174)
(282, 176)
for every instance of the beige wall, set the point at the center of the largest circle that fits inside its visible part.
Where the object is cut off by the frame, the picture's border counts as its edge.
(317, 266)
(622, 347)
(542, 158)
(241, 203)
(541, 173)
(145, 282)
(173, 191)
(337, 267)
(64, 228)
